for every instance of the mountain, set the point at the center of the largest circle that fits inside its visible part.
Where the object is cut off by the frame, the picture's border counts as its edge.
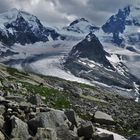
(92, 49)
(125, 26)
(81, 26)
(17, 26)
(90, 61)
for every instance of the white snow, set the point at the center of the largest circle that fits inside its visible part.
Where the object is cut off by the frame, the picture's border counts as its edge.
(83, 27)
(116, 136)
(113, 59)
(51, 66)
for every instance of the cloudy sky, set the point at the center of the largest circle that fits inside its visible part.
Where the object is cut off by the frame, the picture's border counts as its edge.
(62, 12)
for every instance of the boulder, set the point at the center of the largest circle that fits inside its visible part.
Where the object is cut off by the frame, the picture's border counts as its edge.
(86, 130)
(19, 129)
(2, 99)
(63, 133)
(103, 136)
(51, 119)
(35, 99)
(1, 121)
(46, 134)
(71, 115)
(103, 118)
(2, 109)
(2, 137)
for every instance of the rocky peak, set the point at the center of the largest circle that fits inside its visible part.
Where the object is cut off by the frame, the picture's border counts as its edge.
(78, 20)
(90, 48)
(117, 24)
(81, 26)
(17, 26)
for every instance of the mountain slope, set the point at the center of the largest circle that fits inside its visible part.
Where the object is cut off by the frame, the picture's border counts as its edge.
(81, 26)
(125, 26)
(89, 61)
(21, 27)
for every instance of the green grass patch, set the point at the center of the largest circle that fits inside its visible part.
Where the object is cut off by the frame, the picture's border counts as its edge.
(54, 97)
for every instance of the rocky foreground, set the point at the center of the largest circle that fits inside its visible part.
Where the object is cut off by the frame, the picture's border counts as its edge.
(34, 107)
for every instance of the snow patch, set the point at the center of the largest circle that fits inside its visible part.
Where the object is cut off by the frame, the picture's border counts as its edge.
(116, 136)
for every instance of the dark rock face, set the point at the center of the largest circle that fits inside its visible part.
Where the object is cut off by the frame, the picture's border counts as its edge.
(88, 60)
(116, 24)
(90, 48)
(25, 31)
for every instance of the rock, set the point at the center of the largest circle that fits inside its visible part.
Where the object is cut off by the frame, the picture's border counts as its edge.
(71, 115)
(19, 129)
(46, 134)
(1, 121)
(86, 130)
(1, 93)
(35, 99)
(1, 84)
(51, 119)
(103, 118)
(103, 136)
(63, 133)
(134, 138)
(2, 109)
(15, 98)
(2, 137)
(2, 99)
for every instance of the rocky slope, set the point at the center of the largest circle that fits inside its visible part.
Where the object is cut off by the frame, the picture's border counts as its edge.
(38, 107)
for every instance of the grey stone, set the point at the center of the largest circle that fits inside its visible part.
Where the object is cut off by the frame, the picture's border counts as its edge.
(86, 130)
(103, 118)
(2, 109)
(2, 137)
(46, 134)
(63, 133)
(1, 121)
(19, 129)
(2, 99)
(71, 115)
(35, 99)
(51, 119)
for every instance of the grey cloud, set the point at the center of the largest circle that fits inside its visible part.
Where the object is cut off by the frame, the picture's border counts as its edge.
(61, 12)
(4, 5)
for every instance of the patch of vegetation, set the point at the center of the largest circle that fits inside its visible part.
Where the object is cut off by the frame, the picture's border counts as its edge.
(54, 97)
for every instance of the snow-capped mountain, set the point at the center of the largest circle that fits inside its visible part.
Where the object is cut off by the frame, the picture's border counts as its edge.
(92, 49)
(81, 26)
(17, 26)
(90, 61)
(125, 27)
